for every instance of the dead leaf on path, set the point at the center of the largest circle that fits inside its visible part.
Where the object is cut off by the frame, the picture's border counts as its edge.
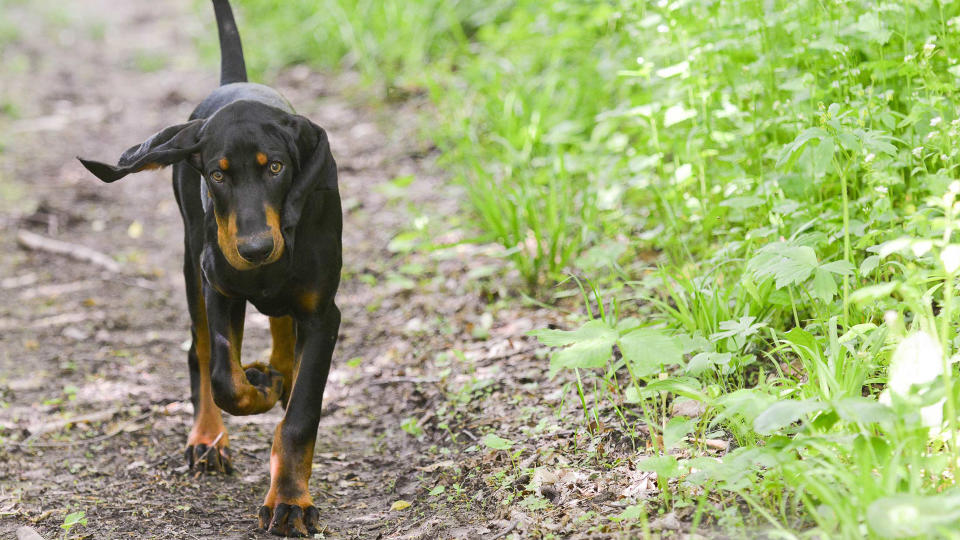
(445, 464)
(401, 505)
(688, 407)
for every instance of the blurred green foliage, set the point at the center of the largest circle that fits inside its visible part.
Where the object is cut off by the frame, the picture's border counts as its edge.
(787, 164)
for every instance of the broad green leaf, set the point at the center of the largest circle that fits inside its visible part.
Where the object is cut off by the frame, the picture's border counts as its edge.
(909, 516)
(631, 513)
(706, 360)
(594, 353)
(793, 150)
(590, 346)
(788, 265)
(595, 329)
(842, 268)
(747, 403)
(72, 519)
(687, 387)
(799, 337)
(676, 430)
(869, 265)
(783, 413)
(665, 466)
(873, 293)
(863, 410)
(823, 156)
(496, 442)
(871, 28)
(824, 285)
(647, 350)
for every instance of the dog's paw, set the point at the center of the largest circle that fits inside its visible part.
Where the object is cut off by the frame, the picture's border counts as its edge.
(265, 379)
(289, 519)
(268, 380)
(203, 459)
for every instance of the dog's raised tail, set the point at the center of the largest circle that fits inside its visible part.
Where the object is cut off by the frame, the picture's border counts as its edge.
(232, 67)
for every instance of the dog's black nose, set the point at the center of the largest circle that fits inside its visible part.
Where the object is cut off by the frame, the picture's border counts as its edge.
(255, 248)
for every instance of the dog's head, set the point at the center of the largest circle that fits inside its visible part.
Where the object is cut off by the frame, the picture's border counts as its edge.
(260, 165)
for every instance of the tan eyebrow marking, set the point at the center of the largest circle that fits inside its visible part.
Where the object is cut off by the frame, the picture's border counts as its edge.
(261, 158)
(224, 164)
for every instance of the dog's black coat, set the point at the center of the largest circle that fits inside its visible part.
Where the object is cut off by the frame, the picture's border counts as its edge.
(257, 190)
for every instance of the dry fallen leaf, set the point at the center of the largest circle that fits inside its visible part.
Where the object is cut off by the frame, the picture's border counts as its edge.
(400, 505)
(135, 230)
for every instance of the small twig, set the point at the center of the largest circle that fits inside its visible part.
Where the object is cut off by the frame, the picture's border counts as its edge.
(35, 242)
(50, 427)
(487, 361)
(18, 281)
(68, 318)
(164, 459)
(209, 448)
(58, 444)
(143, 283)
(506, 531)
(397, 380)
(716, 444)
(561, 433)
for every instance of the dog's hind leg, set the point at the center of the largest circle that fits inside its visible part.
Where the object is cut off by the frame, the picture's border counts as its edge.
(208, 429)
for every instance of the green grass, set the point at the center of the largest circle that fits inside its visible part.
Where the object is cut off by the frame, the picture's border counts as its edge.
(789, 166)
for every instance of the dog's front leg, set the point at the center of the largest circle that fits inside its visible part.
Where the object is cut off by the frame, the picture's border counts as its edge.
(288, 507)
(235, 391)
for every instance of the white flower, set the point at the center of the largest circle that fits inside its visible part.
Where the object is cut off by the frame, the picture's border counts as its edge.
(881, 190)
(928, 48)
(908, 58)
(870, 157)
(935, 121)
(918, 152)
(950, 256)
(931, 135)
(917, 360)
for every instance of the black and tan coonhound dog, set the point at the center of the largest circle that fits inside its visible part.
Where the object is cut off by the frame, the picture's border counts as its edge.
(257, 189)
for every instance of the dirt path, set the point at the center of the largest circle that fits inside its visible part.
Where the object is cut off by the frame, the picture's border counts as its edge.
(106, 350)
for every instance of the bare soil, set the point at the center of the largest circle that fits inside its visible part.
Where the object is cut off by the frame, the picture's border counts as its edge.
(94, 408)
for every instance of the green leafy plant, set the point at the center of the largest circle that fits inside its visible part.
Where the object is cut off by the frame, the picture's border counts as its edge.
(71, 520)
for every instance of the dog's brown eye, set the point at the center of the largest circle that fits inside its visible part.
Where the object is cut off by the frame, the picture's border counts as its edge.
(276, 167)
(216, 176)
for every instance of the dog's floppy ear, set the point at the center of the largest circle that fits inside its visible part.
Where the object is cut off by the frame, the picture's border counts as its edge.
(170, 145)
(315, 169)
